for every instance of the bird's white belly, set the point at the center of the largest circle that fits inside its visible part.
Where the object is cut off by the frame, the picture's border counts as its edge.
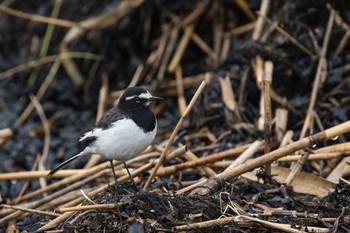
(124, 140)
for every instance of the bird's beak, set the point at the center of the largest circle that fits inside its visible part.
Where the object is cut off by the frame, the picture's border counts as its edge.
(155, 98)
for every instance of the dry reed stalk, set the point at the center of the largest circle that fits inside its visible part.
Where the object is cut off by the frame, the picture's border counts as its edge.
(225, 49)
(180, 90)
(181, 48)
(6, 133)
(281, 117)
(203, 46)
(26, 184)
(279, 153)
(264, 8)
(48, 198)
(169, 88)
(215, 183)
(345, 146)
(320, 156)
(101, 109)
(319, 79)
(338, 20)
(195, 14)
(71, 197)
(47, 138)
(60, 174)
(243, 5)
(45, 60)
(205, 160)
(232, 112)
(285, 227)
(102, 20)
(259, 75)
(268, 70)
(218, 23)
(155, 58)
(55, 222)
(247, 154)
(167, 53)
(37, 18)
(287, 138)
(338, 171)
(207, 170)
(174, 133)
(89, 207)
(44, 86)
(28, 210)
(294, 158)
(206, 224)
(288, 36)
(241, 29)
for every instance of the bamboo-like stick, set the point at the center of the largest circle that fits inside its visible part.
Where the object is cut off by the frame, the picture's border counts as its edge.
(207, 170)
(244, 6)
(285, 227)
(247, 154)
(37, 18)
(264, 8)
(281, 117)
(26, 184)
(345, 146)
(51, 197)
(204, 160)
(42, 163)
(55, 222)
(279, 153)
(294, 158)
(174, 133)
(44, 86)
(180, 90)
(33, 211)
(268, 69)
(215, 183)
(89, 207)
(181, 48)
(319, 79)
(101, 109)
(288, 36)
(206, 224)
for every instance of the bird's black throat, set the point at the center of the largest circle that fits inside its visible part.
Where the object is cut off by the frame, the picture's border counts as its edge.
(145, 120)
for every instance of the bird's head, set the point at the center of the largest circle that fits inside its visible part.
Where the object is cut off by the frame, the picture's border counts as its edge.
(135, 98)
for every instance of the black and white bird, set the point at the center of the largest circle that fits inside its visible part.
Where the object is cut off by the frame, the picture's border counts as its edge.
(123, 132)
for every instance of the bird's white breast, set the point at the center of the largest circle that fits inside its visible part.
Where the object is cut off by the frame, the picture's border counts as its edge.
(122, 141)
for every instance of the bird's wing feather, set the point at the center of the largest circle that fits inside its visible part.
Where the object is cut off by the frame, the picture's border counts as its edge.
(111, 116)
(104, 123)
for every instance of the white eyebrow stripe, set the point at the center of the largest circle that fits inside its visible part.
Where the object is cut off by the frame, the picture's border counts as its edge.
(145, 95)
(130, 97)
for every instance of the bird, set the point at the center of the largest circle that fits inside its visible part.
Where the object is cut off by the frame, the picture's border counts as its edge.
(123, 132)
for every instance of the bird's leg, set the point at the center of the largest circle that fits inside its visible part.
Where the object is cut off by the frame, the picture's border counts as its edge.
(130, 176)
(119, 189)
(115, 177)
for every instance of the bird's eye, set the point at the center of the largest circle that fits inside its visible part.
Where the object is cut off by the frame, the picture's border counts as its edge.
(138, 99)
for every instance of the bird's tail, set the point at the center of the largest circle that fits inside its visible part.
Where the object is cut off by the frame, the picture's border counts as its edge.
(65, 163)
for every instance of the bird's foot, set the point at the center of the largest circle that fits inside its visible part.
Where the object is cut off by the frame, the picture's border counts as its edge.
(131, 186)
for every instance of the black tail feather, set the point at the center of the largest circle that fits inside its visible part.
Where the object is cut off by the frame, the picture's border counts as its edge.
(65, 163)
